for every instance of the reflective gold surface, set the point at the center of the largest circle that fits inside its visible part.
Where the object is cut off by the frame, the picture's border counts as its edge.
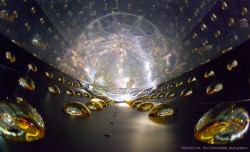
(131, 102)
(19, 121)
(136, 103)
(88, 95)
(92, 105)
(104, 104)
(60, 79)
(232, 65)
(32, 67)
(79, 93)
(191, 79)
(187, 92)
(27, 83)
(69, 82)
(49, 74)
(203, 27)
(224, 5)
(162, 113)
(145, 106)
(70, 92)
(154, 96)
(76, 109)
(76, 85)
(231, 22)
(170, 95)
(163, 110)
(209, 73)
(170, 86)
(107, 102)
(54, 89)
(214, 87)
(179, 83)
(244, 11)
(161, 95)
(223, 124)
(10, 56)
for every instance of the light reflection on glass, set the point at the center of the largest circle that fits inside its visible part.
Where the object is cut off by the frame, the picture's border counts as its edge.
(191, 80)
(120, 49)
(163, 113)
(32, 67)
(104, 104)
(145, 106)
(161, 95)
(27, 83)
(136, 103)
(76, 109)
(223, 124)
(170, 86)
(70, 92)
(20, 121)
(163, 110)
(170, 95)
(179, 83)
(60, 79)
(232, 65)
(187, 92)
(79, 93)
(54, 89)
(70, 83)
(10, 56)
(209, 73)
(49, 74)
(92, 105)
(214, 87)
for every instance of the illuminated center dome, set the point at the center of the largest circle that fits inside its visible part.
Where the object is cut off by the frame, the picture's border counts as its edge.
(122, 51)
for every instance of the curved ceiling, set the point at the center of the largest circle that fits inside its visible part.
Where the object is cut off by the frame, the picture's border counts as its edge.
(125, 45)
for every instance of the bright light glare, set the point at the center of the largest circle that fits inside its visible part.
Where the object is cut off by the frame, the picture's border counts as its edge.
(123, 98)
(147, 66)
(96, 99)
(123, 104)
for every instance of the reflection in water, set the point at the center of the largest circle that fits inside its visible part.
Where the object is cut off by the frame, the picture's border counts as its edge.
(223, 124)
